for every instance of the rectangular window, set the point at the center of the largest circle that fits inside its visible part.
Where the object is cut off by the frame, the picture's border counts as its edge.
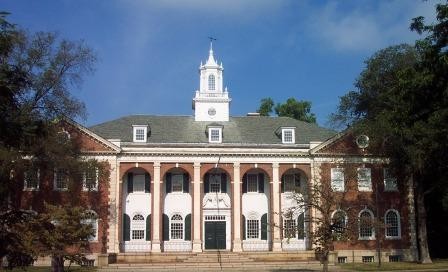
(177, 231)
(215, 135)
(337, 179)
(61, 179)
(290, 183)
(138, 234)
(140, 133)
(253, 229)
(390, 182)
(31, 180)
(90, 179)
(288, 136)
(215, 184)
(342, 260)
(364, 179)
(395, 258)
(368, 259)
(138, 183)
(177, 181)
(252, 183)
(289, 228)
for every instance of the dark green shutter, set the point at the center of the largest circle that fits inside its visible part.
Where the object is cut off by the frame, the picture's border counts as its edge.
(244, 183)
(188, 227)
(186, 183)
(261, 183)
(264, 227)
(301, 226)
(244, 227)
(282, 184)
(166, 228)
(147, 183)
(130, 183)
(126, 227)
(223, 183)
(206, 183)
(297, 182)
(148, 228)
(168, 183)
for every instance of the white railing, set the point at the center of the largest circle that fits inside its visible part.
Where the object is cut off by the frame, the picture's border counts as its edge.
(260, 245)
(137, 246)
(293, 244)
(217, 94)
(177, 246)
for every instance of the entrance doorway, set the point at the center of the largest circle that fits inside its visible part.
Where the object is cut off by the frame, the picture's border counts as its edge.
(215, 235)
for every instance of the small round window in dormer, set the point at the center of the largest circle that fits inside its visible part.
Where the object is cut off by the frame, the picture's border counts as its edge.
(211, 111)
(362, 141)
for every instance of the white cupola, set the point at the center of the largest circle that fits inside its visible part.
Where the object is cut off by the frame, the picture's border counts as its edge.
(211, 102)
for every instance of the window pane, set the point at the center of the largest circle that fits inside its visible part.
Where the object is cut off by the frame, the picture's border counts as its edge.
(392, 229)
(177, 227)
(390, 182)
(61, 179)
(364, 179)
(177, 181)
(140, 134)
(253, 229)
(91, 179)
(215, 184)
(337, 179)
(211, 82)
(31, 179)
(287, 136)
(138, 234)
(365, 225)
(339, 222)
(138, 183)
(289, 228)
(252, 183)
(215, 135)
(289, 181)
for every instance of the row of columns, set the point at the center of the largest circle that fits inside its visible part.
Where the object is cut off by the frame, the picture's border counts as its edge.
(236, 208)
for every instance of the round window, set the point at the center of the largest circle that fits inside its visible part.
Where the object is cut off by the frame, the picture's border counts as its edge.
(211, 111)
(362, 141)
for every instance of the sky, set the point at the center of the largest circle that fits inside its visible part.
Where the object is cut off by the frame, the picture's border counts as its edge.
(149, 51)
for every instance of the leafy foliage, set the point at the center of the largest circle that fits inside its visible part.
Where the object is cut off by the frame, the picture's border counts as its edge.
(300, 110)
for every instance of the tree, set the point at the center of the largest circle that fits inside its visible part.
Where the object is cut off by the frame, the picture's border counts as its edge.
(37, 72)
(266, 105)
(300, 110)
(401, 101)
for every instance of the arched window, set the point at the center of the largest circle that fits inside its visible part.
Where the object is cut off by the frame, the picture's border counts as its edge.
(253, 226)
(177, 227)
(392, 220)
(138, 227)
(339, 220)
(92, 219)
(211, 82)
(366, 225)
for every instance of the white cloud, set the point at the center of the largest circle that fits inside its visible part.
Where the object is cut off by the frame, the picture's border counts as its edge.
(366, 26)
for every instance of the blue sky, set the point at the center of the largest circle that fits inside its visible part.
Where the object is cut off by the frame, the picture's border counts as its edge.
(149, 51)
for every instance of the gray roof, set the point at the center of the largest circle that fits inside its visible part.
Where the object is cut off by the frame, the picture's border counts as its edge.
(247, 130)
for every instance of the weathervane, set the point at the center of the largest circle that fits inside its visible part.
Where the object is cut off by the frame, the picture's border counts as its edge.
(211, 41)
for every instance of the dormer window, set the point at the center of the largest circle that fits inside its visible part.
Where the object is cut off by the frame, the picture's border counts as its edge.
(211, 82)
(288, 136)
(215, 134)
(140, 134)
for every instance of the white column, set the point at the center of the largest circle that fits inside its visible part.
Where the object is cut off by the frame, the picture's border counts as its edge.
(197, 243)
(236, 208)
(114, 206)
(156, 212)
(277, 243)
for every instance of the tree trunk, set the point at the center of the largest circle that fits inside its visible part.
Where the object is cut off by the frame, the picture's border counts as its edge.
(422, 237)
(57, 264)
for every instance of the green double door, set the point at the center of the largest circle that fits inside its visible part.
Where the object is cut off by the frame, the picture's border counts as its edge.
(215, 235)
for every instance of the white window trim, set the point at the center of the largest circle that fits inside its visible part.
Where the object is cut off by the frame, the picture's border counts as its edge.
(84, 181)
(133, 227)
(386, 189)
(55, 177)
(217, 181)
(247, 229)
(295, 230)
(364, 189)
(219, 129)
(211, 87)
(145, 136)
(372, 237)
(342, 187)
(293, 136)
(399, 225)
(181, 184)
(345, 216)
(25, 181)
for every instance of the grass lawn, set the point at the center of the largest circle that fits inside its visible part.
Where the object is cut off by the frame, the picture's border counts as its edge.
(405, 266)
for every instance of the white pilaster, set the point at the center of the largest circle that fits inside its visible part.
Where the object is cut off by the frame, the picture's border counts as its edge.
(277, 242)
(236, 208)
(197, 243)
(156, 212)
(114, 207)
